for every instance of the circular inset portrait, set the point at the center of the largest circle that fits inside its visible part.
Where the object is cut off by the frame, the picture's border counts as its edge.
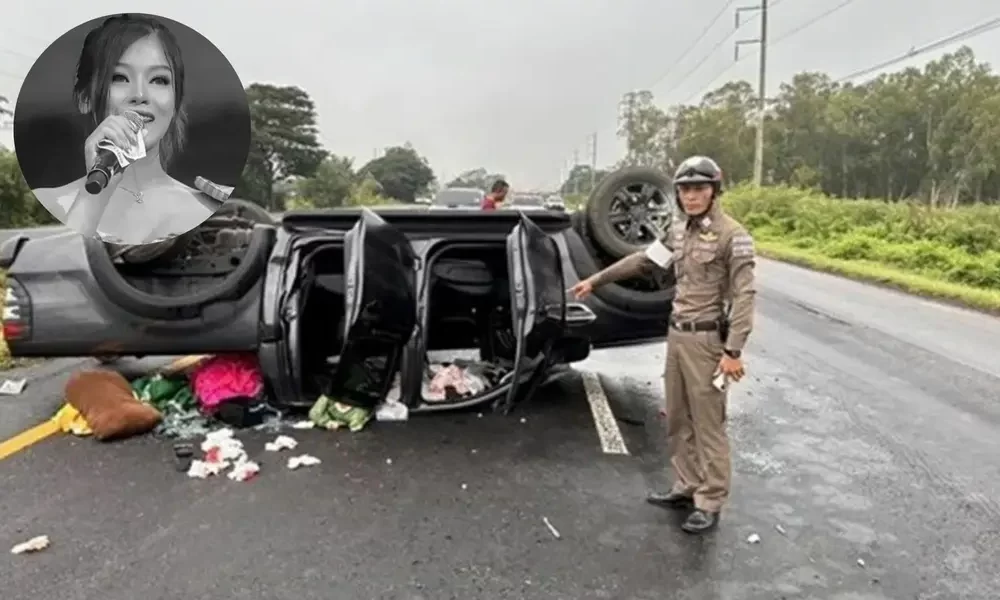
(132, 128)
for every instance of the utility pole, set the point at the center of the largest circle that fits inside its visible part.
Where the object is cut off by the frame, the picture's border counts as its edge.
(573, 171)
(758, 159)
(593, 162)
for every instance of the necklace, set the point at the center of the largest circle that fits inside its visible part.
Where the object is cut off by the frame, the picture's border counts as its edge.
(138, 192)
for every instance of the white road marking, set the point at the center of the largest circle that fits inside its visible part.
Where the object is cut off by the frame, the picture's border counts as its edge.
(612, 441)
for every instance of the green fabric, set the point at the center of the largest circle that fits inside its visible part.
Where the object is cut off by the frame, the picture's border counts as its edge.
(164, 393)
(330, 414)
(174, 398)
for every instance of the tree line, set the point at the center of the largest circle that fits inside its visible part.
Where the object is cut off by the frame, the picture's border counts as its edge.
(287, 166)
(927, 134)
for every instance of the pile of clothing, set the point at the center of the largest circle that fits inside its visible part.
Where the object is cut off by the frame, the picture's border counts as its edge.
(459, 379)
(180, 403)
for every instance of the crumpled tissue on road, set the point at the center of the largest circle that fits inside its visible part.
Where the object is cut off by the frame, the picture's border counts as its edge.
(223, 451)
(304, 460)
(35, 544)
(282, 442)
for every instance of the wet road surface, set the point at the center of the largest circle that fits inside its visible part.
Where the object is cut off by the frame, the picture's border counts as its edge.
(866, 431)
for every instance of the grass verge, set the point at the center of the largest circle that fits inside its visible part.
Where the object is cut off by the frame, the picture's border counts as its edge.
(985, 300)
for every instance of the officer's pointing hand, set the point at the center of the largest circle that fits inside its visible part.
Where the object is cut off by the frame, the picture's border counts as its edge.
(582, 289)
(733, 367)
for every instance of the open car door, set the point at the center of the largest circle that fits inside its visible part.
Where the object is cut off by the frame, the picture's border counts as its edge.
(380, 310)
(538, 298)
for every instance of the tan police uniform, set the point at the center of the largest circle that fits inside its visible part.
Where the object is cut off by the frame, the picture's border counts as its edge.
(714, 259)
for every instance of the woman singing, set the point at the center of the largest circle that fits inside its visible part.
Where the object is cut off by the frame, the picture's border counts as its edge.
(132, 63)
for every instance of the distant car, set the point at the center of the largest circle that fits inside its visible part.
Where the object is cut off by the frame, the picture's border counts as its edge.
(460, 198)
(348, 301)
(524, 201)
(555, 203)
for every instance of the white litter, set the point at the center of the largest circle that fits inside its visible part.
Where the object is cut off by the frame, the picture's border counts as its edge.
(303, 425)
(12, 387)
(388, 461)
(244, 470)
(465, 486)
(555, 532)
(753, 538)
(35, 544)
(861, 562)
(282, 442)
(304, 460)
(220, 445)
(780, 529)
(222, 451)
(201, 469)
(392, 411)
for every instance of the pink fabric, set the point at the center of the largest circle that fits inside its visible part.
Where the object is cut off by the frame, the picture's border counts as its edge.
(221, 378)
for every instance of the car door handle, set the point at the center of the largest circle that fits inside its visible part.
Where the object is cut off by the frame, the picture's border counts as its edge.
(579, 314)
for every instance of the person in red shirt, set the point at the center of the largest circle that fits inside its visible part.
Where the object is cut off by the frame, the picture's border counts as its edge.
(498, 193)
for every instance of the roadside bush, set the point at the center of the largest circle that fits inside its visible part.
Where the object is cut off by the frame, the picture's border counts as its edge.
(957, 245)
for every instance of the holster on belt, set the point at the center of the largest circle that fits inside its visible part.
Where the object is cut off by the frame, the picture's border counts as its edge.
(724, 328)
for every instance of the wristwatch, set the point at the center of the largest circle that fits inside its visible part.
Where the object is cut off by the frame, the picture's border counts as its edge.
(733, 353)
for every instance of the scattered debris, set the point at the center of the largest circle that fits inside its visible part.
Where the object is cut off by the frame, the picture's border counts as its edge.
(555, 532)
(12, 387)
(780, 529)
(303, 425)
(304, 460)
(69, 420)
(330, 414)
(201, 469)
(183, 456)
(524, 420)
(392, 411)
(282, 442)
(861, 562)
(244, 470)
(465, 486)
(222, 451)
(753, 538)
(388, 461)
(35, 544)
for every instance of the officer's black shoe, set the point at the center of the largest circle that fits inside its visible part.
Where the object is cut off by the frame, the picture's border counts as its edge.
(670, 500)
(700, 521)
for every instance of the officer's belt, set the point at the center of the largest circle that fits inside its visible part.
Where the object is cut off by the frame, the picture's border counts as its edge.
(691, 326)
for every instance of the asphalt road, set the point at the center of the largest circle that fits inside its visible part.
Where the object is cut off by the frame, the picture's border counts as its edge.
(865, 452)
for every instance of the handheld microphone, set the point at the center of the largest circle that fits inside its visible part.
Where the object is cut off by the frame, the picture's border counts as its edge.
(109, 162)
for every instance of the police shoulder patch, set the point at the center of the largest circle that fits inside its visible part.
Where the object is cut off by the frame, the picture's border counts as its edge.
(741, 245)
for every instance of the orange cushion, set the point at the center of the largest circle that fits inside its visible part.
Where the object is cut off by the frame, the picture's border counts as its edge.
(105, 400)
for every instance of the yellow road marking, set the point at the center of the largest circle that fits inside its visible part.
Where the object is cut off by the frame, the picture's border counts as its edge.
(27, 438)
(48, 428)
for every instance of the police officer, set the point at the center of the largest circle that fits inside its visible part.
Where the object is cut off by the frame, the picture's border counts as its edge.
(713, 258)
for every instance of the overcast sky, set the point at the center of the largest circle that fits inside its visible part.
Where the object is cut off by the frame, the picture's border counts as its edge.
(515, 86)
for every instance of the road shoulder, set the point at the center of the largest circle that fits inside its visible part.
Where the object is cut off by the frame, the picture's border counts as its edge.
(982, 300)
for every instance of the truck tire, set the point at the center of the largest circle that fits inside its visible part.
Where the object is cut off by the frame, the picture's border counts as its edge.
(605, 202)
(582, 256)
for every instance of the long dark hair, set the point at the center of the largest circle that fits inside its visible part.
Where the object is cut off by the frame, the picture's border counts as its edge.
(103, 47)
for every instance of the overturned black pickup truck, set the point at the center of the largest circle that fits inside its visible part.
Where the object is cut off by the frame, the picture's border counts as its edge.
(354, 301)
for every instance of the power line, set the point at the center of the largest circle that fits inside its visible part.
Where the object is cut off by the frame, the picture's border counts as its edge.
(917, 51)
(718, 45)
(700, 37)
(803, 26)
